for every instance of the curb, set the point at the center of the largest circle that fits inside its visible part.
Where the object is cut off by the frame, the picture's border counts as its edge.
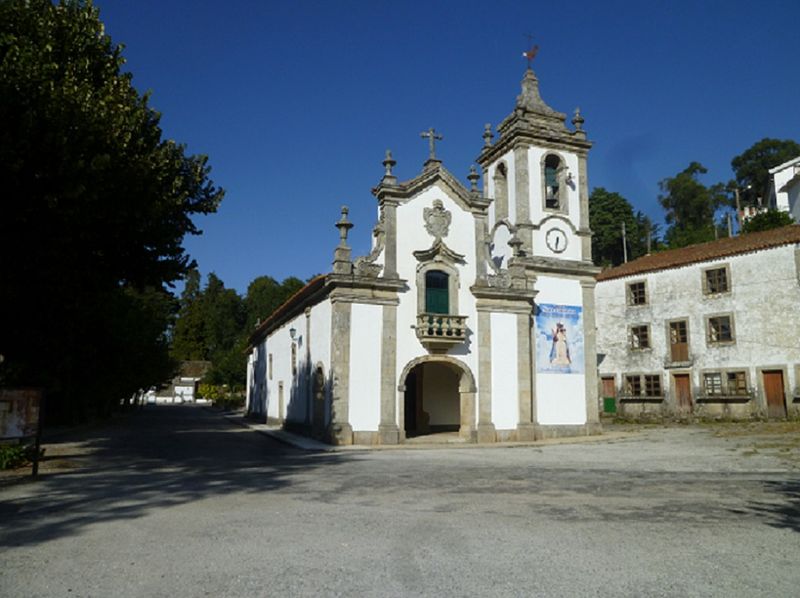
(309, 444)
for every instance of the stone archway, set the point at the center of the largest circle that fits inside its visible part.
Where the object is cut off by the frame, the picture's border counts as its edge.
(463, 383)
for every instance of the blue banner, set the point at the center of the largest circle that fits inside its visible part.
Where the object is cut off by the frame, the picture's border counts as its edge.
(559, 338)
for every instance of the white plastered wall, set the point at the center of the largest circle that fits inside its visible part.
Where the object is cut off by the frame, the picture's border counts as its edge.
(279, 345)
(365, 366)
(560, 397)
(505, 376)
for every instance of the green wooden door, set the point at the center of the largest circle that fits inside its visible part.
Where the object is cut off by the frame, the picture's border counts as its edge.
(437, 298)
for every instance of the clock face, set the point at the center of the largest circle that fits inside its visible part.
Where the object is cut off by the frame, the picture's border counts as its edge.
(556, 240)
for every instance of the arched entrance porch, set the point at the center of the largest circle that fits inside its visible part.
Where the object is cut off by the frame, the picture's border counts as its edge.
(436, 394)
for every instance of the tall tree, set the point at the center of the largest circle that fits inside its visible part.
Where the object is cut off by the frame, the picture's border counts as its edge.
(188, 334)
(752, 166)
(690, 206)
(607, 212)
(95, 208)
(223, 317)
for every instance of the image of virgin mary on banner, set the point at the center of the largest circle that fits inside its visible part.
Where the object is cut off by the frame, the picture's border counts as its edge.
(559, 339)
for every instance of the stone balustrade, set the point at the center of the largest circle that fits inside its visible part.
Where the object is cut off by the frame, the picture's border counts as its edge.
(439, 332)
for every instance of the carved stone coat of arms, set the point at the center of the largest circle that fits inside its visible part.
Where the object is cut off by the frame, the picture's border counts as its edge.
(437, 219)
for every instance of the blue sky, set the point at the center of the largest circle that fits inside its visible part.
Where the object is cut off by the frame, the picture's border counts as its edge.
(296, 102)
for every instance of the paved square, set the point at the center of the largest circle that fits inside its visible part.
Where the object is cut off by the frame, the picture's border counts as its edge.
(177, 501)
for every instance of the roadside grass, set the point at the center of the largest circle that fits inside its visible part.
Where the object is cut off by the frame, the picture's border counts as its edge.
(774, 439)
(756, 428)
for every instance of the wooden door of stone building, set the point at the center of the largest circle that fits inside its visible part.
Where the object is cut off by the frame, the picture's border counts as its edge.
(679, 341)
(609, 395)
(683, 392)
(774, 393)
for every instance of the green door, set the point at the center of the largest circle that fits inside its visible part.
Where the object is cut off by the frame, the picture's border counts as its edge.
(437, 299)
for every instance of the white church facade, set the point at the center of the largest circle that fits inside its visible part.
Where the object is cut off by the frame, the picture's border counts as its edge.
(473, 313)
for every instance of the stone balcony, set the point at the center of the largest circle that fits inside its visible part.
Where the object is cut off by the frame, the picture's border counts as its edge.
(440, 332)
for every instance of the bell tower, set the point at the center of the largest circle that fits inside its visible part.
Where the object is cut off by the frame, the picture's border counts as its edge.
(536, 174)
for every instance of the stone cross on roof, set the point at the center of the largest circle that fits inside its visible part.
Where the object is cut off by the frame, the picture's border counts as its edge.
(432, 136)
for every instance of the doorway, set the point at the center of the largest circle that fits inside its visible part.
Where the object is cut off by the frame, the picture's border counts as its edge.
(774, 393)
(609, 395)
(683, 392)
(432, 401)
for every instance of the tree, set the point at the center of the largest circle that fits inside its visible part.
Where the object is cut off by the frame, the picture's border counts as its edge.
(607, 211)
(752, 166)
(223, 318)
(95, 208)
(188, 334)
(690, 206)
(766, 221)
(265, 295)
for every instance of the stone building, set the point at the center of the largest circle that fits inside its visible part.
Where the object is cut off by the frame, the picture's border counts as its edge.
(710, 330)
(473, 312)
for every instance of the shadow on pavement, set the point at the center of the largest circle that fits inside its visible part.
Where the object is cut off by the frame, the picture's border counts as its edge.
(784, 515)
(160, 457)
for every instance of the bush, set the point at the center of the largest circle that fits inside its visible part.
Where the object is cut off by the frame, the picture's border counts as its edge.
(16, 455)
(211, 392)
(230, 403)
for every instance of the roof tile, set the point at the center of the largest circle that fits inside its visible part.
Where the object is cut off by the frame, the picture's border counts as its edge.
(675, 258)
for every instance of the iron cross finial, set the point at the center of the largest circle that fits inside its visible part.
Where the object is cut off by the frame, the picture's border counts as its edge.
(432, 136)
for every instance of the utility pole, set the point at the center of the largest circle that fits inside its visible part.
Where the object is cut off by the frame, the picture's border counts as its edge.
(730, 225)
(624, 244)
(738, 209)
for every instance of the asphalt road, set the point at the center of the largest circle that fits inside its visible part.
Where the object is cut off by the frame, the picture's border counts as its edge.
(177, 501)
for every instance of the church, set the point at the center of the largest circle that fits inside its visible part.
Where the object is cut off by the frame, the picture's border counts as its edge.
(473, 313)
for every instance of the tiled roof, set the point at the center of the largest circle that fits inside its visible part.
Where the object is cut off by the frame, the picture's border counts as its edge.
(675, 258)
(194, 369)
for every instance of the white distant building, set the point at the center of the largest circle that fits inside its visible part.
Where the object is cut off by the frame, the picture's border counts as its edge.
(784, 189)
(707, 330)
(473, 313)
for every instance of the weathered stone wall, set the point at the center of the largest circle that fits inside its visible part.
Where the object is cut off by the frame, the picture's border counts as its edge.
(763, 301)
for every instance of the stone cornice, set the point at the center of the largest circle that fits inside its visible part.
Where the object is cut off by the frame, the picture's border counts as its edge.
(494, 294)
(527, 136)
(441, 250)
(434, 172)
(545, 265)
(353, 281)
